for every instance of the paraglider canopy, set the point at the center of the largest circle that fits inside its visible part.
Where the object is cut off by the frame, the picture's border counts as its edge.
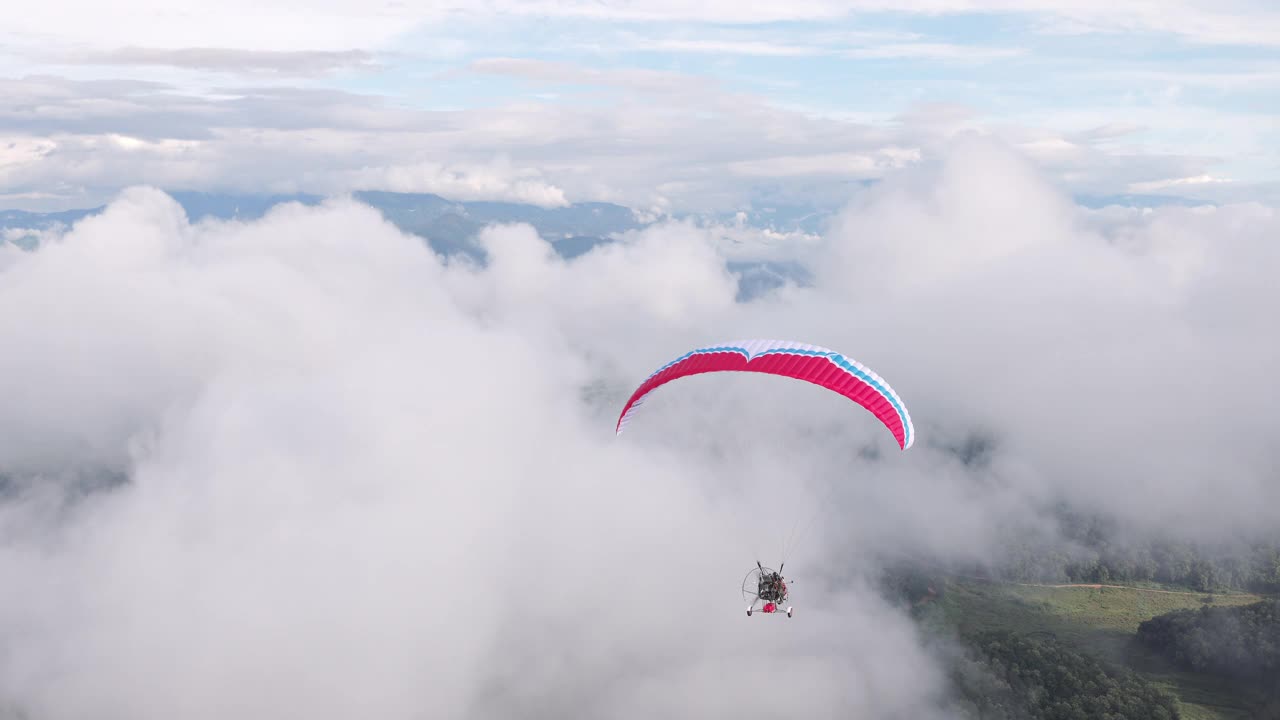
(813, 364)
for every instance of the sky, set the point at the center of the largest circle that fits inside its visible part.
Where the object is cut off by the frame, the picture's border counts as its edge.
(660, 106)
(302, 465)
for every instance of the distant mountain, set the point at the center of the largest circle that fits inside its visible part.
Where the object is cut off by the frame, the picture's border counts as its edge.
(782, 218)
(42, 221)
(450, 227)
(756, 278)
(223, 206)
(22, 228)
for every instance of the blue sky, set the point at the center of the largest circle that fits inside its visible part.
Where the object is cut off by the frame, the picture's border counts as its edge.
(658, 105)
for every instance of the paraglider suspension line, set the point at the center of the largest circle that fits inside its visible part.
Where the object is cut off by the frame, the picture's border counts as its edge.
(793, 540)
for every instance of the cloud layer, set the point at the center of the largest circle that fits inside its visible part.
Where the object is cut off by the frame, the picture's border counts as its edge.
(655, 141)
(361, 480)
(659, 106)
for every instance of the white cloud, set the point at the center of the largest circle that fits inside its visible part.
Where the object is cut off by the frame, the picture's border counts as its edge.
(1243, 22)
(936, 51)
(1177, 182)
(643, 80)
(1108, 131)
(731, 47)
(226, 60)
(16, 151)
(1070, 348)
(848, 165)
(665, 140)
(493, 181)
(316, 518)
(864, 45)
(1053, 149)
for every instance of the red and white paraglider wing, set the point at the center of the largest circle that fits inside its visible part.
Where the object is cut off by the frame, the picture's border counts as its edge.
(810, 363)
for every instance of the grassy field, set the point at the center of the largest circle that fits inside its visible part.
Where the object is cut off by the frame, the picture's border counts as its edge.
(1099, 621)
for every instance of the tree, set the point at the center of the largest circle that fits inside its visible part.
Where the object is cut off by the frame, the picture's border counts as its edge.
(1007, 676)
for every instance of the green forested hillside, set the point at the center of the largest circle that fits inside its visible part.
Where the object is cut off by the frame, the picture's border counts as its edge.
(1029, 651)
